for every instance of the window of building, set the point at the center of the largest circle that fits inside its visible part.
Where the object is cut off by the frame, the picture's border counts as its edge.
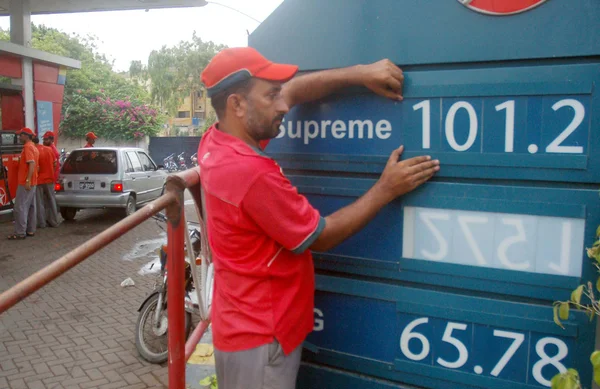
(183, 114)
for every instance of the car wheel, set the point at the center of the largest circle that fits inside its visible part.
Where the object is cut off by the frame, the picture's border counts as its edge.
(130, 207)
(68, 213)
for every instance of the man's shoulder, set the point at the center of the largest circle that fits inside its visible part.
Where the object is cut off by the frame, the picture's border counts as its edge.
(231, 163)
(30, 147)
(46, 151)
(230, 175)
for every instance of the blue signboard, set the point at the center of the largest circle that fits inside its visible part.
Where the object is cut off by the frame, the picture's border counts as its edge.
(535, 127)
(450, 286)
(414, 335)
(44, 115)
(522, 241)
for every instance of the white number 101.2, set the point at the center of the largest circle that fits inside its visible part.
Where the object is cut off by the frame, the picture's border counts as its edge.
(509, 129)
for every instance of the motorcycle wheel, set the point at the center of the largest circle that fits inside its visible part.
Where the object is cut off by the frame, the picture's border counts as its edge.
(151, 342)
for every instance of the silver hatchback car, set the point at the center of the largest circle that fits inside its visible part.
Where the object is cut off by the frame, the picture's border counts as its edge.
(115, 177)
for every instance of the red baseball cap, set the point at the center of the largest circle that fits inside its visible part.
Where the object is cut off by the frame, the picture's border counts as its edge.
(237, 64)
(48, 134)
(91, 135)
(25, 130)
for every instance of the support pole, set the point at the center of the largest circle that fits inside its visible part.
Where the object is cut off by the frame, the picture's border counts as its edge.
(175, 283)
(20, 33)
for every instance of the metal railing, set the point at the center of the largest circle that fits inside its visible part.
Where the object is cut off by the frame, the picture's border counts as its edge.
(173, 202)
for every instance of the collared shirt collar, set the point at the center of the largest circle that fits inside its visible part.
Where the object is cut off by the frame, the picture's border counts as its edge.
(235, 143)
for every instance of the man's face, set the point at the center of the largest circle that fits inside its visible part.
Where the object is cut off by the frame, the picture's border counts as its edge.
(91, 140)
(23, 138)
(47, 141)
(265, 109)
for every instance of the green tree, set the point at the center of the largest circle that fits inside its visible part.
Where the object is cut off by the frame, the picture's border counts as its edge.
(109, 118)
(210, 120)
(95, 82)
(591, 306)
(175, 71)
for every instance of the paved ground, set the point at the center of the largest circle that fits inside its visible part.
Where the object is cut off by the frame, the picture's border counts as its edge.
(77, 332)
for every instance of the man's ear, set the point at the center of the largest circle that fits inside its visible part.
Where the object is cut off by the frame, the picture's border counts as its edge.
(237, 104)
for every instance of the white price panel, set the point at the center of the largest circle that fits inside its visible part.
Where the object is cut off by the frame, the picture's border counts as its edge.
(527, 243)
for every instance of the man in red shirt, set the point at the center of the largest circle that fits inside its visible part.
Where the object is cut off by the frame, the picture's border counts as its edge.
(45, 201)
(24, 210)
(90, 138)
(260, 229)
(49, 142)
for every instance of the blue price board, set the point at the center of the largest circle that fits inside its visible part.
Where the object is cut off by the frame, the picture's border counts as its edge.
(44, 115)
(478, 126)
(514, 240)
(410, 333)
(449, 286)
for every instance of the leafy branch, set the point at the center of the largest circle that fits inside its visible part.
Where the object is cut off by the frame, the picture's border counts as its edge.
(591, 307)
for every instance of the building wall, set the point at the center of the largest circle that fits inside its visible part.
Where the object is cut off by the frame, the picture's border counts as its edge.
(193, 112)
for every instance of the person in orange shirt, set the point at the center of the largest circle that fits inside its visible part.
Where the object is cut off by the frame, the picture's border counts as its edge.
(24, 210)
(49, 142)
(90, 137)
(47, 213)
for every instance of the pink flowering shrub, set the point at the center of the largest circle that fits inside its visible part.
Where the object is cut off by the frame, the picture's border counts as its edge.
(107, 117)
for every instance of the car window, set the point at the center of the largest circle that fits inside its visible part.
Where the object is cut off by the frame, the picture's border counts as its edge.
(135, 162)
(147, 163)
(91, 162)
(129, 168)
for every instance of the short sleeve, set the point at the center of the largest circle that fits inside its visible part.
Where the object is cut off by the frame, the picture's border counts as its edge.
(29, 154)
(282, 213)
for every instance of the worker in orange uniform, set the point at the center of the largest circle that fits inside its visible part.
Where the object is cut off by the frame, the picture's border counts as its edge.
(90, 137)
(47, 213)
(49, 142)
(24, 210)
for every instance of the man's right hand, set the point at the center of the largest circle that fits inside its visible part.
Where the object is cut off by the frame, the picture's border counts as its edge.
(27, 186)
(400, 177)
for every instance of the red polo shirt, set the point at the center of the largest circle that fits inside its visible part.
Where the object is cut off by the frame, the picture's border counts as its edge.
(259, 229)
(46, 165)
(57, 157)
(29, 155)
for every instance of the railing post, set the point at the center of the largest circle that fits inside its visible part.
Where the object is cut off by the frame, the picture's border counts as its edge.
(176, 279)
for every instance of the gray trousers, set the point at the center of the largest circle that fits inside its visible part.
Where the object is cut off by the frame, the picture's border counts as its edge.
(25, 210)
(264, 367)
(46, 206)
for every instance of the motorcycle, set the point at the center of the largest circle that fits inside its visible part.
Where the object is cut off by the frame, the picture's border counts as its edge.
(181, 159)
(63, 157)
(194, 160)
(169, 163)
(152, 323)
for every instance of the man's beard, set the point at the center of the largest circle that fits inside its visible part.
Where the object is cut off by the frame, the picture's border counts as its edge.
(261, 127)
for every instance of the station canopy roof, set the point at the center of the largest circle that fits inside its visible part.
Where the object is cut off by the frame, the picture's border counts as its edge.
(70, 6)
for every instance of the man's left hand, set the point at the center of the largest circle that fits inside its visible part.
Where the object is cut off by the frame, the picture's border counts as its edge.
(384, 78)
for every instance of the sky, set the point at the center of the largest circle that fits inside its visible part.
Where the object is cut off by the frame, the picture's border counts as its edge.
(131, 35)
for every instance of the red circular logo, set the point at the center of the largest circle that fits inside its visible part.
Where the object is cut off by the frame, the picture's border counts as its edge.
(501, 7)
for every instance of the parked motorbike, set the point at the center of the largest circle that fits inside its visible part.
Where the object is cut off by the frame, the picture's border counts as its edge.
(194, 159)
(63, 157)
(169, 163)
(152, 323)
(181, 159)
